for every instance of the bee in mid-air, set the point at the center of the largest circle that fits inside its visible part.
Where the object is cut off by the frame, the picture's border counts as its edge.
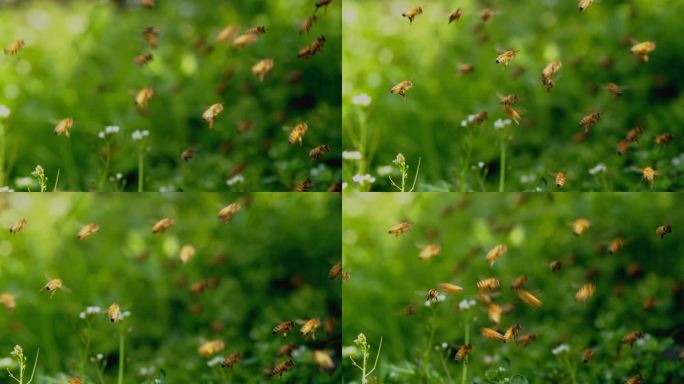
(643, 49)
(580, 225)
(151, 35)
(587, 121)
(487, 14)
(230, 360)
(15, 47)
(262, 68)
(322, 3)
(286, 350)
(75, 380)
(512, 332)
(561, 178)
(114, 313)
(455, 15)
(226, 213)
(323, 360)
(143, 59)
(307, 24)
(335, 271)
(52, 286)
(649, 174)
(284, 328)
(187, 154)
(488, 284)
(480, 117)
(162, 225)
(622, 147)
(281, 368)
(64, 127)
(412, 13)
(210, 348)
(555, 265)
(615, 245)
(663, 230)
(586, 355)
(495, 253)
(464, 69)
(634, 134)
(614, 89)
(519, 282)
(228, 33)
(492, 334)
(7, 300)
(297, 133)
(462, 352)
(309, 327)
(649, 304)
(494, 313)
(319, 151)
(430, 251)
(506, 57)
(143, 97)
(632, 337)
(432, 295)
(87, 231)
(303, 186)
(664, 138)
(402, 88)
(585, 292)
(316, 46)
(584, 4)
(18, 226)
(400, 228)
(450, 288)
(526, 339)
(529, 298)
(211, 113)
(548, 72)
(636, 379)
(508, 100)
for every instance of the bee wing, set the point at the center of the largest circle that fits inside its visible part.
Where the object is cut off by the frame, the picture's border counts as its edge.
(65, 288)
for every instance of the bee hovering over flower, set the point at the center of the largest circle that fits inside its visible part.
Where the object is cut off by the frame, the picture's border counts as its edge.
(614, 89)
(15, 47)
(462, 352)
(316, 46)
(548, 72)
(495, 253)
(53, 285)
(319, 151)
(309, 327)
(400, 228)
(585, 292)
(18, 226)
(430, 251)
(297, 133)
(151, 35)
(506, 57)
(643, 49)
(262, 68)
(143, 97)
(584, 4)
(283, 328)
(226, 213)
(632, 337)
(64, 127)
(308, 24)
(587, 121)
(580, 225)
(143, 59)
(529, 298)
(663, 230)
(230, 360)
(211, 113)
(162, 225)
(87, 231)
(114, 313)
(412, 13)
(664, 138)
(402, 88)
(455, 15)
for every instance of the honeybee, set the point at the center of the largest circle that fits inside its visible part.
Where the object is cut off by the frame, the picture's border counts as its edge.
(15, 47)
(283, 328)
(584, 4)
(211, 113)
(585, 292)
(227, 34)
(636, 379)
(245, 39)
(462, 352)
(114, 313)
(615, 245)
(512, 332)
(432, 295)
(622, 147)
(87, 231)
(329, 325)
(400, 228)
(614, 89)
(412, 13)
(226, 213)
(492, 334)
(345, 277)
(244, 126)
(186, 253)
(555, 265)
(7, 300)
(561, 178)
(506, 57)
(151, 35)
(18, 226)
(307, 24)
(162, 225)
(148, 3)
(323, 360)
(187, 154)
(519, 282)
(649, 174)
(455, 15)
(643, 49)
(316, 46)
(464, 68)
(262, 68)
(281, 368)
(286, 350)
(303, 186)
(335, 271)
(580, 225)
(297, 133)
(634, 134)
(681, 355)
(229, 361)
(663, 230)
(480, 117)
(587, 121)
(649, 304)
(631, 338)
(586, 355)
(322, 3)
(319, 151)
(548, 72)
(52, 286)
(450, 288)
(664, 138)
(143, 97)
(488, 284)
(309, 327)
(495, 253)
(529, 298)
(494, 313)
(512, 113)
(402, 88)
(508, 100)
(487, 14)
(210, 348)
(143, 59)
(526, 339)
(64, 126)
(430, 251)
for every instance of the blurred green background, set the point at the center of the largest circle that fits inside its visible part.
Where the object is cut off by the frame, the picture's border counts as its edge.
(78, 62)
(381, 49)
(387, 276)
(265, 268)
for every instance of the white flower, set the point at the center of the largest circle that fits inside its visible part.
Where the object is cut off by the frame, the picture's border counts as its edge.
(501, 123)
(528, 178)
(91, 310)
(139, 135)
(101, 135)
(466, 304)
(362, 179)
(317, 170)
(679, 160)
(6, 189)
(119, 176)
(4, 111)
(235, 180)
(363, 100)
(400, 160)
(23, 182)
(560, 349)
(471, 118)
(480, 165)
(215, 360)
(351, 155)
(111, 129)
(600, 167)
(464, 123)
(344, 186)
(384, 170)
(491, 359)
(124, 314)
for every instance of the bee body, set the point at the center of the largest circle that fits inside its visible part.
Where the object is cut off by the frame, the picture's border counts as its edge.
(7, 300)
(323, 360)
(211, 113)
(303, 186)
(495, 253)
(227, 212)
(18, 226)
(143, 59)
(312, 49)
(643, 49)
(664, 138)
(143, 97)
(455, 15)
(548, 72)
(262, 68)
(430, 251)
(529, 298)
(162, 225)
(226, 34)
(450, 288)
(580, 225)
(663, 230)
(309, 328)
(615, 245)
(400, 228)
(64, 127)
(186, 253)
(319, 151)
(584, 4)
(231, 360)
(492, 334)
(488, 284)
(512, 332)
(282, 367)
(308, 24)
(587, 121)
(87, 231)
(286, 350)
(614, 89)
(15, 47)
(519, 282)
(561, 178)
(632, 337)
(402, 88)
(187, 154)
(283, 328)
(114, 313)
(506, 57)
(634, 134)
(412, 13)
(555, 265)
(335, 271)
(464, 69)
(210, 348)
(462, 352)
(151, 35)
(526, 339)
(585, 292)
(297, 133)
(587, 355)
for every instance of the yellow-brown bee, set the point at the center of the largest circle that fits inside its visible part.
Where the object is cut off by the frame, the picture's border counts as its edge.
(303, 186)
(585, 292)
(649, 304)
(488, 284)
(284, 328)
(508, 100)
(632, 337)
(584, 4)
(412, 13)
(649, 174)
(162, 225)
(512, 113)
(281, 368)
(114, 313)
(464, 69)
(615, 245)
(187, 154)
(519, 282)
(15, 47)
(480, 117)
(512, 332)
(529, 298)
(309, 327)
(308, 24)
(143, 59)
(450, 288)
(432, 295)
(462, 352)
(400, 228)
(614, 89)
(664, 138)
(143, 97)
(258, 30)
(663, 230)
(555, 265)
(622, 147)
(286, 350)
(322, 3)
(495, 253)
(64, 127)
(335, 271)
(244, 126)
(681, 355)
(18, 226)
(492, 334)
(506, 57)
(548, 72)
(561, 178)
(329, 325)
(494, 313)
(297, 133)
(580, 225)
(87, 231)
(245, 39)
(319, 151)
(634, 134)
(587, 121)
(210, 348)
(227, 34)
(323, 360)
(75, 380)
(586, 355)
(262, 68)
(643, 49)
(636, 379)
(455, 15)
(151, 35)
(226, 213)
(230, 360)
(316, 46)
(430, 251)
(7, 300)
(402, 88)
(52, 286)
(148, 3)
(487, 14)
(345, 277)
(211, 113)
(186, 253)
(526, 339)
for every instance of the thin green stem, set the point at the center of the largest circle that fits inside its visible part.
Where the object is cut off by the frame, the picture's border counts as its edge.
(2, 154)
(103, 178)
(121, 357)
(502, 175)
(464, 374)
(141, 176)
(468, 151)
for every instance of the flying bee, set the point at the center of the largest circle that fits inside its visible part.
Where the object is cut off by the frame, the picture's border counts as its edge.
(262, 68)
(648, 174)
(187, 154)
(480, 117)
(649, 304)
(323, 360)
(319, 151)
(664, 138)
(464, 69)
(432, 295)
(64, 126)
(7, 300)
(312, 49)
(580, 225)
(210, 348)
(430, 251)
(487, 14)
(143, 59)
(186, 253)
(614, 89)
(615, 245)
(52, 286)
(586, 355)
(584, 4)
(211, 113)
(258, 30)
(455, 15)
(519, 282)
(283, 328)
(309, 327)
(227, 34)
(151, 35)
(162, 225)
(329, 325)
(402, 88)
(512, 113)
(492, 334)
(148, 3)
(450, 288)
(506, 57)
(297, 133)
(663, 230)
(322, 3)
(412, 13)
(488, 284)
(548, 72)
(226, 213)
(307, 24)
(15, 47)
(286, 350)
(585, 292)
(143, 97)
(87, 231)
(555, 265)
(494, 313)
(643, 49)
(636, 379)
(632, 337)
(548, 83)
(114, 313)
(462, 352)
(634, 134)
(512, 332)
(622, 147)
(508, 100)
(303, 186)
(75, 380)
(18, 226)
(230, 360)
(529, 298)
(561, 178)
(335, 271)
(587, 121)
(495, 253)
(526, 339)
(281, 368)
(400, 228)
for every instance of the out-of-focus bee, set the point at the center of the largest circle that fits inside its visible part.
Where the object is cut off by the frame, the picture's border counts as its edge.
(555, 265)
(636, 379)
(148, 3)
(319, 151)
(226, 213)
(561, 178)
(64, 126)
(488, 284)
(526, 339)
(487, 14)
(548, 72)
(249, 36)
(587, 121)
(322, 3)
(162, 225)
(244, 126)
(492, 334)
(211, 113)
(309, 327)
(634, 134)
(284, 328)
(75, 380)
(664, 138)
(512, 332)
(210, 348)
(258, 30)
(430, 251)
(450, 288)
(227, 34)
(400, 228)
(346, 276)
(114, 313)
(464, 69)
(262, 68)
(508, 100)
(87, 231)
(519, 282)
(432, 295)
(529, 298)
(7, 300)
(585, 292)
(455, 15)
(586, 355)
(622, 147)
(512, 113)
(281, 368)
(143, 97)
(462, 352)
(151, 35)
(286, 350)
(494, 313)
(649, 174)
(663, 230)
(402, 88)
(187, 154)
(615, 245)
(335, 271)
(632, 337)
(584, 4)
(649, 304)
(323, 360)
(329, 325)
(506, 57)
(412, 13)
(186, 253)
(643, 49)
(297, 133)
(231, 360)
(143, 59)
(614, 89)
(580, 225)
(316, 46)
(15, 47)
(480, 117)
(308, 24)
(52, 286)
(495, 253)
(18, 226)
(303, 186)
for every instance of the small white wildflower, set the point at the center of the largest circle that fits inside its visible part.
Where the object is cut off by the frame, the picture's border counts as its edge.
(441, 297)
(464, 123)
(362, 100)
(216, 360)
(99, 356)
(235, 180)
(560, 349)
(111, 129)
(491, 359)
(4, 111)
(101, 135)
(600, 167)
(351, 155)
(317, 170)
(384, 170)
(139, 135)
(23, 182)
(363, 179)
(466, 304)
(6, 189)
(679, 160)
(444, 345)
(399, 160)
(119, 176)
(480, 165)
(17, 351)
(6, 362)
(471, 118)
(124, 314)
(344, 186)
(93, 310)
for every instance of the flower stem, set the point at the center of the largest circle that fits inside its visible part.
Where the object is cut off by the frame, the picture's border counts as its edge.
(141, 176)
(502, 175)
(2, 154)
(464, 375)
(121, 357)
